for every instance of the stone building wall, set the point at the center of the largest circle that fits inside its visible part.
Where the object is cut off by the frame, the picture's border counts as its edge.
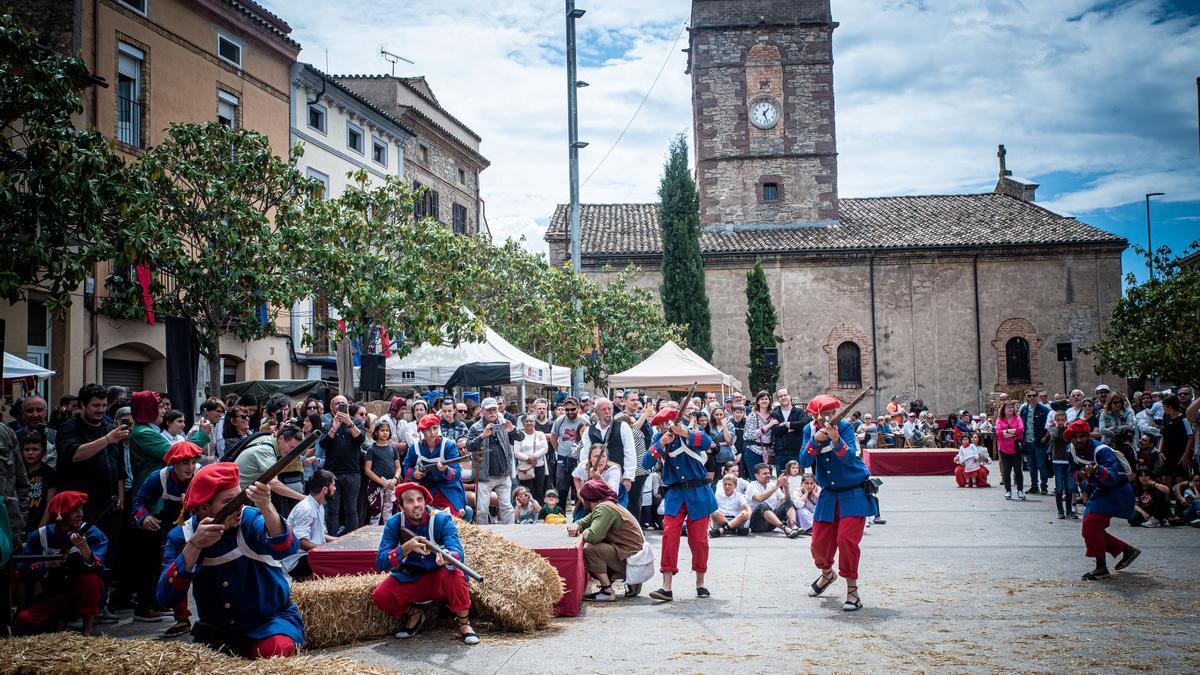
(925, 311)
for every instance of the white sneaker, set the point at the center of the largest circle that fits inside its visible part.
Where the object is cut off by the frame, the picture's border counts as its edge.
(1008, 495)
(1151, 523)
(1020, 495)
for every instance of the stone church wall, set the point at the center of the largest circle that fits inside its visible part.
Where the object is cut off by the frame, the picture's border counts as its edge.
(925, 311)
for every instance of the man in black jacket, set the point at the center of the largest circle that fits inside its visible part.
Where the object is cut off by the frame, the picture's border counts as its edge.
(343, 458)
(788, 425)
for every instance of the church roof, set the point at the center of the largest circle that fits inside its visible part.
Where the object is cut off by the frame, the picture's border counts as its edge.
(916, 222)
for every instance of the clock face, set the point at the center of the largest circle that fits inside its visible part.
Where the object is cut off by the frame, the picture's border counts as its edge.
(764, 114)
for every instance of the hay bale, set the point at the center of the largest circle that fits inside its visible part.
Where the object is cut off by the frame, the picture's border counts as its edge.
(519, 587)
(73, 654)
(339, 610)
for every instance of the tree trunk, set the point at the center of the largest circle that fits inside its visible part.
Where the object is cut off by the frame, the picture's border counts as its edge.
(214, 368)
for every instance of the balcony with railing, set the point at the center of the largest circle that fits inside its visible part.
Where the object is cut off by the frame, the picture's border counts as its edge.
(129, 122)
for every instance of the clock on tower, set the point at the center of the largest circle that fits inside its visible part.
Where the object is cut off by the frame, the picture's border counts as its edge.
(762, 107)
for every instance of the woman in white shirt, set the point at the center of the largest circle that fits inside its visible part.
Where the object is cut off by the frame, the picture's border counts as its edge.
(597, 468)
(530, 453)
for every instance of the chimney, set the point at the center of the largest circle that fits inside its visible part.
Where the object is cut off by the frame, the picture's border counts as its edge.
(1013, 186)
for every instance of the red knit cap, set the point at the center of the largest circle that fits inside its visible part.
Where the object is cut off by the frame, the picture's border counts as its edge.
(430, 420)
(822, 404)
(1076, 427)
(144, 405)
(66, 502)
(181, 451)
(209, 481)
(664, 415)
(405, 487)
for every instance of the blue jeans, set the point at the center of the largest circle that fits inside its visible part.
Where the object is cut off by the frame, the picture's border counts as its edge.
(750, 459)
(1036, 458)
(1064, 488)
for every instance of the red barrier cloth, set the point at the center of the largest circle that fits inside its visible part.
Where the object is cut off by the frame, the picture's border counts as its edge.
(910, 462)
(355, 554)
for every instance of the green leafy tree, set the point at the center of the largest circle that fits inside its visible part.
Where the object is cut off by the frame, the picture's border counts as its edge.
(62, 191)
(630, 323)
(761, 322)
(1154, 329)
(223, 221)
(684, 298)
(378, 268)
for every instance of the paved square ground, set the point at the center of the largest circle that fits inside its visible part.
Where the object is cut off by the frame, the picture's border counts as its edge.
(957, 580)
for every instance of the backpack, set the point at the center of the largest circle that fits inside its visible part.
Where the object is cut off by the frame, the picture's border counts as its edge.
(231, 454)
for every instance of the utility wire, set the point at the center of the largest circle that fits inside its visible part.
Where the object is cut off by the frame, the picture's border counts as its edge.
(639, 108)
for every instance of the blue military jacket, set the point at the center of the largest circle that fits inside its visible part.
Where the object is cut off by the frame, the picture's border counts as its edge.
(437, 526)
(1110, 492)
(47, 540)
(238, 582)
(682, 463)
(447, 483)
(162, 495)
(840, 473)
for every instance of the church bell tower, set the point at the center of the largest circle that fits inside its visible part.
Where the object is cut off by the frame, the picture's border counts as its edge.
(762, 108)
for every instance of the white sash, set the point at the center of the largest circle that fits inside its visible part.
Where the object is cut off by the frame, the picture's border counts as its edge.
(162, 478)
(685, 449)
(242, 549)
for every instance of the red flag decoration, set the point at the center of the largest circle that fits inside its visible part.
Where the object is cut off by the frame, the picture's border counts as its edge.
(342, 327)
(387, 344)
(143, 279)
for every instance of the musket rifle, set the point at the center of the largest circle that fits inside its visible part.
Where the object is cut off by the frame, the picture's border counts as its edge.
(845, 410)
(235, 505)
(97, 516)
(407, 534)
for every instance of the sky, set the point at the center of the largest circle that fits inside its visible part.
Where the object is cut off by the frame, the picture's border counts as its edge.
(1096, 100)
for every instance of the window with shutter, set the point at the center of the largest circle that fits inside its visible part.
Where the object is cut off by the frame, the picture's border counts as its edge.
(1016, 356)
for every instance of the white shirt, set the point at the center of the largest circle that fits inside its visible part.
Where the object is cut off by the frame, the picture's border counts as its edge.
(730, 505)
(629, 466)
(756, 488)
(969, 456)
(910, 427)
(612, 475)
(307, 521)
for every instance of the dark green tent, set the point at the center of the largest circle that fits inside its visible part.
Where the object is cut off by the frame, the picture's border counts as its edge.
(295, 389)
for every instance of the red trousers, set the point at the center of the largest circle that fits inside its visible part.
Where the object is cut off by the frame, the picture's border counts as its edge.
(697, 534)
(981, 474)
(83, 599)
(267, 648)
(394, 597)
(841, 536)
(1097, 540)
(439, 501)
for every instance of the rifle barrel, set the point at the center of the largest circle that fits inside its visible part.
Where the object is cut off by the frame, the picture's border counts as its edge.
(445, 554)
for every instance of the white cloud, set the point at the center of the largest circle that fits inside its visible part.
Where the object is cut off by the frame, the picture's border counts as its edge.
(924, 92)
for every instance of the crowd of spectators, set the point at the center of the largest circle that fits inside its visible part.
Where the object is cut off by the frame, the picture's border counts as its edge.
(530, 459)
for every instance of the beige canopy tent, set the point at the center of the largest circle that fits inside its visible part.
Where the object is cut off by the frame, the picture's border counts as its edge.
(674, 369)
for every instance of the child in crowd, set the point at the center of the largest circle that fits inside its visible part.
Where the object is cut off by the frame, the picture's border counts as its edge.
(804, 491)
(527, 509)
(42, 482)
(650, 516)
(733, 510)
(382, 467)
(970, 460)
(1153, 504)
(172, 426)
(1060, 462)
(734, 469)
(1187, 497)
(552, 513)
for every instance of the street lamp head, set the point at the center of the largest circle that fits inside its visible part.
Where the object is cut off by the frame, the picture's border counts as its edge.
(1154, 194)
(577, 13)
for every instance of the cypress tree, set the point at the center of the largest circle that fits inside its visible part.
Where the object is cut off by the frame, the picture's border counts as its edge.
(761, 321)
(684, 299)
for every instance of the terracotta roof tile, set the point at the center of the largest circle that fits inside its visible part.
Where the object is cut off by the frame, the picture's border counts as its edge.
(928, 221)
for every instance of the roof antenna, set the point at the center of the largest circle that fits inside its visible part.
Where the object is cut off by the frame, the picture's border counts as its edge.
(392, 59)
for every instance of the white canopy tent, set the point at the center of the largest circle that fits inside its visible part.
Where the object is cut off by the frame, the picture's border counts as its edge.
(432, 365)
(16, 367)
(674, 369)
